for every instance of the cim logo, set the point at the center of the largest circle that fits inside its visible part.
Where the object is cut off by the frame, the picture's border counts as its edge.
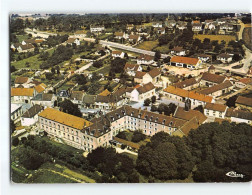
(234, 174)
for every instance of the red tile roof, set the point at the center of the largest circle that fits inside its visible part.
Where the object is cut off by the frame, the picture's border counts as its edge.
(184, 60)
(214, 78)
(22, 92)
(216, 88)
(216, 107)
(244, 101)
(21, 80)
(154, 72)
(139, 74)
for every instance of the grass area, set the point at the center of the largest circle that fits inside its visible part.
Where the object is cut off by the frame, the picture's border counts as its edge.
(246, 36)
(104, 70)
(219, 38)
(33, 61)
(22, 37)
(104, 36)
(163, 49)
(78, 176)
(148, 45)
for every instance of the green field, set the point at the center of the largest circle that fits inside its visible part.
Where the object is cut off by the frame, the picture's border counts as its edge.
(22, 37)
(148, 45)
(219, 38)
(163, 49)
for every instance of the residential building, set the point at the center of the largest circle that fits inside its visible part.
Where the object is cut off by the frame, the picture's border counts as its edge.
(218, 90)
(157, 24)
(244, 103)
(210, 80)
(22, 82)
(215, 110)
(196, 27)
(145, 59)
(96, 29)
(224, 58)
(142, 92)
(89, 101)
(153, 76)
(77, 97)
(44, 99)
(131, 69)
(204, 57)
(117, 54)
(239, 116)
(120, 35)
(244, 82)
(181, 95)
(22, 95)
(16, 112)
(185, 62)
(134, 38)
(179, 51)
(130, 26)
(25, 48)
(40, 88)
(73, 40)
(187, 84)
(30, 117)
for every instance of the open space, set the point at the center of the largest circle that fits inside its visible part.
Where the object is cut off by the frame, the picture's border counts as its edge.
(219, 38)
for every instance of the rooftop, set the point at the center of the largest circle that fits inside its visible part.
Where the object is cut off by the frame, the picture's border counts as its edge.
(33, 111)
(215, 88)
(184, 60)
(212, 77)
(22, 92)
(244, 101)
(216, 107)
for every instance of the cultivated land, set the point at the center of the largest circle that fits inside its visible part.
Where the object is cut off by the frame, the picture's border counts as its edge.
(246, 36)
(219, 38)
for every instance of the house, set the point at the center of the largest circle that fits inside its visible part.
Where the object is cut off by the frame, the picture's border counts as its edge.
(130, 26)
(22, 81)
(63, 94)
(71, 130)
(182, 25)
(211, 69)
(185, 62)
(89, 101)
(239, 116)
(145, 59)
(118, 54)
(77, 97)
(204, 57)
(40, 88)
(179, 51)
(244, 103)
(96, 29)
(131, 69)
(101, 50)
(160, 31)
(30, 117)
(44, 99)
(16, 112)
(244, 82)
(215, 110)
(120, 35)
(218, 90)
(210, 80)
(15, 46)
(80, 33)
(22, 95)
(182, 95)
(195, 22)
(143, 92)
(134, 38)
(187, 84)
(157, 24)
(73, 40)
(224, 58)
(171, 23)
(108, 103)
(196, 27)
(25, 48)
(153, 76)
(189, 114)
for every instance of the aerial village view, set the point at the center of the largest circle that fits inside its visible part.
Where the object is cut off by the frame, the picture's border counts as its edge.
(131, 98)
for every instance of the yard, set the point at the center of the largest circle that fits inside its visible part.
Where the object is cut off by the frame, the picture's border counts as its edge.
(22, 37)
(148, 45)
(219, 38)
(163, 49)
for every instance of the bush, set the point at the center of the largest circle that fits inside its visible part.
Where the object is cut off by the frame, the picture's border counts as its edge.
(121, 135)
(147, 102)
(15, 141)
(138, 136)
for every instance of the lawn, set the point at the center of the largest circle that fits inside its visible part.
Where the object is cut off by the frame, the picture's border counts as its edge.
(33, 61)
(219, 38)
(148, 45)
(22, 37)
(163, 49)
(246, 36)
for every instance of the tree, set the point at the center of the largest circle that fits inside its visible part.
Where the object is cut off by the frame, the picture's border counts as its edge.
(138, 136)
(167, 59)
(220, 148)
(126, 56)
(153, 99)
(231, 101)
(147, 102)
(117, 65)
(53, 70)
(12, 126)
(165, 157)
(93, 88)
(27, 64)
(166, 109)
(13, 69)
(98, 64)
(80, 79)
(15, 141)
(154, 108)
(49, 75)
(157, 56)
(121, 135)
(68, 107)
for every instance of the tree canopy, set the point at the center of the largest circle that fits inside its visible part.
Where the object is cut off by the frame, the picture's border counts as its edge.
(69, 107)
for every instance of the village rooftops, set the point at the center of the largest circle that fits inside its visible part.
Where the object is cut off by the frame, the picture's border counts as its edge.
(134, 37)
(21, 80)
(77, 95)
(64, 118)
(117, 52)
(27, 46)
(145, 88)
(184, 60)
(131, 66)
(185, 83)
(22, 92)
(224, 55)
(108, 99)
(139, 74)
(184, 93)
(211, 67)
(33, 111)
(105, 93)
(154, 72)
(215, 88)
(216, 107)
(40, 88)
(188, 115)
(246, 81)
(43, 97)
(178, 49)
(247, 115)
(214, 78)
(244, 101)
(71, 40)
(145, 57)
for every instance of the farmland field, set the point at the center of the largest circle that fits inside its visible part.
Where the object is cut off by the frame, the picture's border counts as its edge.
(148, 45)
(246, 36)
(219, 38)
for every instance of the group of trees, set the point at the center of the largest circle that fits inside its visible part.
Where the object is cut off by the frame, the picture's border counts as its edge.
(115, 167)
(69, 107)
(164, 108)
(52, 41)
(117, 65)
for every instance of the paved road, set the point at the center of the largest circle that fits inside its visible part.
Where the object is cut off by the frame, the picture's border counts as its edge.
(129, 48)
(36, 33)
